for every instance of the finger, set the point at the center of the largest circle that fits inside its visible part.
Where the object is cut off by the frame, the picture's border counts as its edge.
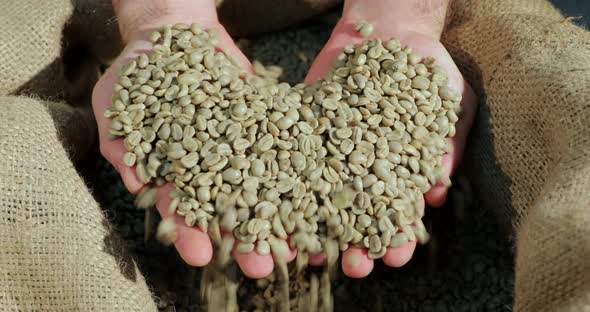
(437, 195)
(225, 41)
(356, 262)
(253, 264)
(291, 255)
(101, 101)
(193, 245)
(103, 91)
(398, 256)
(424, 46)
(342, 35)
(114, 150)
(317, 260)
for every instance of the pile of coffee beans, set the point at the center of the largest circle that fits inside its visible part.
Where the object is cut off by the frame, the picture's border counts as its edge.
(346, 159)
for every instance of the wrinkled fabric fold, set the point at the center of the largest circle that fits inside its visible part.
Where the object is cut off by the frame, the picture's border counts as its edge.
(529, 150)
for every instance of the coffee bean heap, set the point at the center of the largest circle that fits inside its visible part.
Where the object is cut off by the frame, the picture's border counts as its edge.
(347, 158)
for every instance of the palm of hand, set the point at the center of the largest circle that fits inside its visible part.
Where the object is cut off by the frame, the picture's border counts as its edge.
(355, 262)
(193, 245)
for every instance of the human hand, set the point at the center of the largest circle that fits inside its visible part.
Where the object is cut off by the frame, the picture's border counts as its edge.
(417, 24)
(137, 19)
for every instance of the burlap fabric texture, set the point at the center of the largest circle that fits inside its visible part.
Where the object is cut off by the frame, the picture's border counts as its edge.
(57, 250)
(529, 151)
(528, 157)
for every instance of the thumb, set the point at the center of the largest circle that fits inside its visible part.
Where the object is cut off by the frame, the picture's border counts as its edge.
(342, 35)
(137, 19)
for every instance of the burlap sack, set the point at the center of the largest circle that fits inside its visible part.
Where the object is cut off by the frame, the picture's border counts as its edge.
(529, 152)
(57, 250)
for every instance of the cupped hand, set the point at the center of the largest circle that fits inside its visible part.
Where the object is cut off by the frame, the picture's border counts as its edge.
(137, 19)
(418, 27)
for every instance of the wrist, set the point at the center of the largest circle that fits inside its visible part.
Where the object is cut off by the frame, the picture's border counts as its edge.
(139, 17)
(426, 17)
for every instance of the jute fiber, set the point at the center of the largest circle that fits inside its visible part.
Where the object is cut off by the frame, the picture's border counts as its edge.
(57, 250)
(528, 156)
(30, 36)
(529, 152)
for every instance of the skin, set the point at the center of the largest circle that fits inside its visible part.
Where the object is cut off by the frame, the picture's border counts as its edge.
(417, 24)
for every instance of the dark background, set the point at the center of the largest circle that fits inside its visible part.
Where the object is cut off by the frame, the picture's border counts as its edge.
(575, 8)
